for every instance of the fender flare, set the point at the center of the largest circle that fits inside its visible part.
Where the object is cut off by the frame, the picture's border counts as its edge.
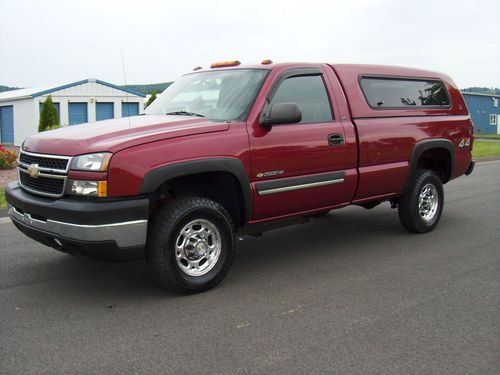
(424, 145)
(157, 176)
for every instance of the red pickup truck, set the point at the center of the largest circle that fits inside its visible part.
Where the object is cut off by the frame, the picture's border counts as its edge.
(232, 150)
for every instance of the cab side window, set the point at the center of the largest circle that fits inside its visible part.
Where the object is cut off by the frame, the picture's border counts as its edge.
(309, 93)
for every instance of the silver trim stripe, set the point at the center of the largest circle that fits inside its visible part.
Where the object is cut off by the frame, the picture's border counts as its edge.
(300, 186)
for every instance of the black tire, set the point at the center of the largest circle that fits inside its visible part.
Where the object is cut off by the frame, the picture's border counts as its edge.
(162, 258)
(321, 214)
(409, 208)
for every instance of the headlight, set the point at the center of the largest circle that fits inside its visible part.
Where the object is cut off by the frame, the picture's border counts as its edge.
(88, 188)
(91, 162)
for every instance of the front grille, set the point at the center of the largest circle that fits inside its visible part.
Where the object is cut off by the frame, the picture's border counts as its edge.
(43, 174)
(45, 185)
(44, 161)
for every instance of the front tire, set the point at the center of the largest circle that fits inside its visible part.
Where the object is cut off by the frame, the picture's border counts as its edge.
(421, 207)
(190, 245)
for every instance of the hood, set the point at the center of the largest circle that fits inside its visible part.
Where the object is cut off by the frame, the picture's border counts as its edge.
(117, 134)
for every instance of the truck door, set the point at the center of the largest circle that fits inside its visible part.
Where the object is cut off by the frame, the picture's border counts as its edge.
(302, 166)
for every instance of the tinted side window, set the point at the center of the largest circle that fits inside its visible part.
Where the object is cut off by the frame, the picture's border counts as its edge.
(404, 93)
(309, 93)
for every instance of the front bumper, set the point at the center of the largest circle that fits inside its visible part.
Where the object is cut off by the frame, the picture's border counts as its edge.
(100, 229)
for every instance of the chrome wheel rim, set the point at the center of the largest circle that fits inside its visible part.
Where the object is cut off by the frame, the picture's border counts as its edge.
(428, 203)
(198, 247)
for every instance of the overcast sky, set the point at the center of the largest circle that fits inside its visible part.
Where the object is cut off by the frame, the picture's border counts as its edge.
(46, 42)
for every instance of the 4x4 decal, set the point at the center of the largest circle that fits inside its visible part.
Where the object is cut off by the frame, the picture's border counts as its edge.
(465, 142)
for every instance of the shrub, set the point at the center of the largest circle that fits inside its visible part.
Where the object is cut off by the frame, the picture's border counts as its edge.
(151, 99)
(7, 158)
(48, 116)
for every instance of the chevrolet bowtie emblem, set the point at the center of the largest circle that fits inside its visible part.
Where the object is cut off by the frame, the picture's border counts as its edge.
(33, 170)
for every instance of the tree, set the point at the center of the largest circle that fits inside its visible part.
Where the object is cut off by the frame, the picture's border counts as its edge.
(48, 116)
(151, 98)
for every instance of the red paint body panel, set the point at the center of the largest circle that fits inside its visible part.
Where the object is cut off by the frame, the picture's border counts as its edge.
(89, 176)
(128, 167)
(382, 179)
(301, 150)
(374, 157)
(385, 142)
(117, 134)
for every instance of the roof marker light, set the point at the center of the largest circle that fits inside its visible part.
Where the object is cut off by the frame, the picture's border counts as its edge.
(266, 62)
(197, 68)
(222, 64)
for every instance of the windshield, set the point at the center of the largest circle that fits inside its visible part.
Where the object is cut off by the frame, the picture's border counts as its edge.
(217, 95)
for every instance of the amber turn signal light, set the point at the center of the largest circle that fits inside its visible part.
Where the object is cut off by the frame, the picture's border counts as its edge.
(102, 188)
(222, 64)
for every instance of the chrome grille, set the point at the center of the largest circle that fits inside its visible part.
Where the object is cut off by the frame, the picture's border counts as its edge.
(52, 163)
(43, 174)
(47, 185)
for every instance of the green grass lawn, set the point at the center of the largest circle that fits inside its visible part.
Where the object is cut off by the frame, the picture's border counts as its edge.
(3, 203)
(487, 136)
(484, 149)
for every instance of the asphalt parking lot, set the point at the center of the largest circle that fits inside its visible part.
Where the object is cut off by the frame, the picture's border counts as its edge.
(351, 292)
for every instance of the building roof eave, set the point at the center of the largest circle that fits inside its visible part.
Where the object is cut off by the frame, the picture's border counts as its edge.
(58, 88)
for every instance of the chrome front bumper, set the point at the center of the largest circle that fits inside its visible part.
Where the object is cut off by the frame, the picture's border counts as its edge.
(125, 234)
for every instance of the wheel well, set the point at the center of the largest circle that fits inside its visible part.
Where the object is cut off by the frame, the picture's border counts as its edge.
(221, 187)
(437, 160)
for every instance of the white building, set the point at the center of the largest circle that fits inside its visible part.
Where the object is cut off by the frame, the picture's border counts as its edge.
(89, 100)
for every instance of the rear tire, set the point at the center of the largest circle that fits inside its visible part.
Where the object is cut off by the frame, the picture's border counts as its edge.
(190, 245)
(421, 207)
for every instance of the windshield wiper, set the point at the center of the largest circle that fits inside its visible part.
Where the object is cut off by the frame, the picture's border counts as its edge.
(184, 113)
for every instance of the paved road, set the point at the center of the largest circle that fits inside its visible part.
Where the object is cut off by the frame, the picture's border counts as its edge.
(351, 292)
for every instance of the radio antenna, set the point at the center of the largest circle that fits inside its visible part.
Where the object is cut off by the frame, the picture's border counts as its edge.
(126, 89)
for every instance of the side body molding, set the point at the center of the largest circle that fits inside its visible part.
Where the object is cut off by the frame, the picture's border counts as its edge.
(156, 177)
(424, 145)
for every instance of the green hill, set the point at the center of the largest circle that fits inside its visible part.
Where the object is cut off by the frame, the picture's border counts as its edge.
(7, 88)
(482, 90)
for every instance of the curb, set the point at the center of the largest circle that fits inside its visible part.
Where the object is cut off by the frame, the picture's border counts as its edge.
(490, 158)
(4, 212)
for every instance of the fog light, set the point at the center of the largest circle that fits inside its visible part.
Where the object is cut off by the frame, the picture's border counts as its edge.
(88, 188)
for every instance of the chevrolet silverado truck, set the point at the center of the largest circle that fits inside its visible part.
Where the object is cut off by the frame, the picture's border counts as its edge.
(233, 150)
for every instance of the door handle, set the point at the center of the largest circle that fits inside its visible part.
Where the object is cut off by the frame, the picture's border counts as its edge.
(335, 139)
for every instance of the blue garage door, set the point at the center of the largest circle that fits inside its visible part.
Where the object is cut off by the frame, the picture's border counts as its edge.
(130, 109)
(77, 113)
(7, 124)
(104, 111)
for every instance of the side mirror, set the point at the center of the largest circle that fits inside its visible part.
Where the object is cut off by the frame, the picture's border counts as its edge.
(281, 113)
